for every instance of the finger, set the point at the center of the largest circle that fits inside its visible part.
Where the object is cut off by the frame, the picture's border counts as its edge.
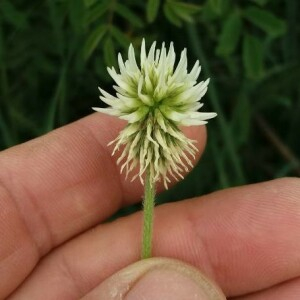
(246, 239)
(288, 290)
(58, 185)
(157, 278)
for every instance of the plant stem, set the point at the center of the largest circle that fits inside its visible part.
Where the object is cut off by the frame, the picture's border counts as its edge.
(148, 216)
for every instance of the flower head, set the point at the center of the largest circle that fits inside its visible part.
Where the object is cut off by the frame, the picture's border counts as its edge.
(155, 98)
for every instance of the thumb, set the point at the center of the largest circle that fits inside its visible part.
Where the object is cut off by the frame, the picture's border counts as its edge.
(157, 279)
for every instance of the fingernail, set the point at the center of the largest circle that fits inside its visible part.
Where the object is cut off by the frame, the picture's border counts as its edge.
(157, 279)
(166, 284)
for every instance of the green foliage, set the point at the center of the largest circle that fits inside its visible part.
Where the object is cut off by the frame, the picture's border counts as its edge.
(129, 15)
(265, 20)
(216, 6)
(93, 40)
(109, 52)
(12, 15)
(253, 57)
(230, 34)
(95, 12)
(54, 54)
(152, 10)
(179, 12)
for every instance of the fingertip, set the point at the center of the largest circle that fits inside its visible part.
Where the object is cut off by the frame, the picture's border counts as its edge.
(157, 278)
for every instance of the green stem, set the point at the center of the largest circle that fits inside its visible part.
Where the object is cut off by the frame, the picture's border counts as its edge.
(148, 216)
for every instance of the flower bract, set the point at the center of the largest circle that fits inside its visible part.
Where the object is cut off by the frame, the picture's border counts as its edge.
(156, 97)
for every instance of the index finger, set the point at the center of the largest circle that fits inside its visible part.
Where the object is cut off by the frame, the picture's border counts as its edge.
(246, 239)
(58, 185)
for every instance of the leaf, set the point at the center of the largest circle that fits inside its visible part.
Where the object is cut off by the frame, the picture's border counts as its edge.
(129, 15)
(88, 3)
(23, 121)
(93, 40)
(261, 2)
(97, 11)
(286, 169)
(152, 10)
(253, 57)
(109, 52)
(230, 35)
(182, 15)
(6, 134)
(176, 11)
(184, 10)
(283, 78)
(283, 101)
(187, 8)
(241, 119)
(120, 36)
(265, 20)
(76, 14)
(171, 15)
(12, 15)
(216, 5)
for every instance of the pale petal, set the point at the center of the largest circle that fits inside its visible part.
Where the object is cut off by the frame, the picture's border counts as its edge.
(131, 59)
(171, 57)
(192, 122)
(108, 111)
(135, 116)
(118, 79)
(154, 98)
(150, 58)
(143, 53)
(181, 67)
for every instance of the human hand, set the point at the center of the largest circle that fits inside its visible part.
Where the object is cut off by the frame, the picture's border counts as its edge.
(56, 188)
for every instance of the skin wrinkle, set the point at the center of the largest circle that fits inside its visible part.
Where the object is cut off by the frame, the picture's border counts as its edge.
(65, 261)
(70, 275)
(282, 291)
(80, 212)
(110, 265)
(45, 240)
(124, 197)
(78, 201)
(86, 134)
(116, 199)
(20, 247)
(199, 253)
(230, 245)
(42, 241)
(195, 219)
(113, 166)
(203, 257)
(12, 200)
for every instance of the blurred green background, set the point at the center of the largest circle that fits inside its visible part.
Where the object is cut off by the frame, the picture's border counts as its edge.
(54, 53)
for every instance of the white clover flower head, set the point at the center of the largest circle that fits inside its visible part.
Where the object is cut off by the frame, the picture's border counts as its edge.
(156, 98)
